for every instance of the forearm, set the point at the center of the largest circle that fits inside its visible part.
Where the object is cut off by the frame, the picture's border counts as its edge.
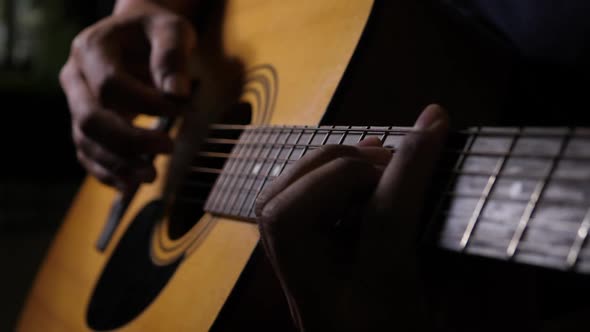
(186, 8)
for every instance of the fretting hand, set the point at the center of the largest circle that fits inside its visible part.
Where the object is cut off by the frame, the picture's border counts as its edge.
(340, 229)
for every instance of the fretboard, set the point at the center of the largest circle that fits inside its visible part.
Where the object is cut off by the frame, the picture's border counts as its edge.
(263, 153)
(518, 194)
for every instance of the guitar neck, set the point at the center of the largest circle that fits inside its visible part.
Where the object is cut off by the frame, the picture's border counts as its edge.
(517, 194)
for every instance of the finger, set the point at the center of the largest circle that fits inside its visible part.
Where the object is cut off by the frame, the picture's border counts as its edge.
(292, 228)
(131, 168)
(109, 128)
(119, 136)
(173, 41)
(401, 190)
(99, 172)
(321, 192)
(371, 141)
(115, 89)
(317, 158)
(304, 211)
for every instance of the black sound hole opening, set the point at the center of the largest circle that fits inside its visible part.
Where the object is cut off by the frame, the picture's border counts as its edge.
(187, 208)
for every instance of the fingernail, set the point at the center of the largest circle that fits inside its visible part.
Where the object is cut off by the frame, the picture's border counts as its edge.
(432, 117)
(371, 141)
(177, 85)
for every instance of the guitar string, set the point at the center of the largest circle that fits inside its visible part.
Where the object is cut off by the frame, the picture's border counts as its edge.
(457, 152)
(485, 131)
(227, 156)
(381, 131)
(567, 177)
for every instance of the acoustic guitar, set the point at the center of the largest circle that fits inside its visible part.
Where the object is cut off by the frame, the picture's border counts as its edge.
(287, 77)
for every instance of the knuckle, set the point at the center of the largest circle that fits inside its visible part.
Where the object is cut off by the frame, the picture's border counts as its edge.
(80, 42)
(64, 73)
(262, 199)
(86, 122)
(167, 58)
(270, 215)
(177, 24)
(100, 173)
(81, 158)
(77, 136)
(106, 86)
(85, 40)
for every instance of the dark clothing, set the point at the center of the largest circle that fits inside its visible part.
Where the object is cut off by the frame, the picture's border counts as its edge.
(549, 41)
(540, 30)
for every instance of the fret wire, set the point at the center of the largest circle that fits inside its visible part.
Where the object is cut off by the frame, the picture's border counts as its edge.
(253, 177)
(363, 135)
(247, 169)
(215, 190)
(305, 149)
(532, 205)
(282, 163)
(237, 201)
(475, 215)
(256, 176)
(250, 208)
(228, 167)
(579, 241)
(230, 180)
(213, 196)
(431, 226)
(216, 186)
(228, 203)
(221, 179)
(384, 139)
(368, 129)
(233, 185)
(340, 141)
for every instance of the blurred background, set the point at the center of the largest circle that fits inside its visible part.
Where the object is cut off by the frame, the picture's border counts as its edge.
(39, 174)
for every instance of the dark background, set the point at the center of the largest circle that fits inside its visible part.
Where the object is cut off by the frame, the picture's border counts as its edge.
(39, 174)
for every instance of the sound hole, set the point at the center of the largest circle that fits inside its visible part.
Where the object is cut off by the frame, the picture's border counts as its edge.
(129, 281)
(187, 208)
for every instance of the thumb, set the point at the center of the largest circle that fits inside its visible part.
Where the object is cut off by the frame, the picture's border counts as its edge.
(172, 41)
